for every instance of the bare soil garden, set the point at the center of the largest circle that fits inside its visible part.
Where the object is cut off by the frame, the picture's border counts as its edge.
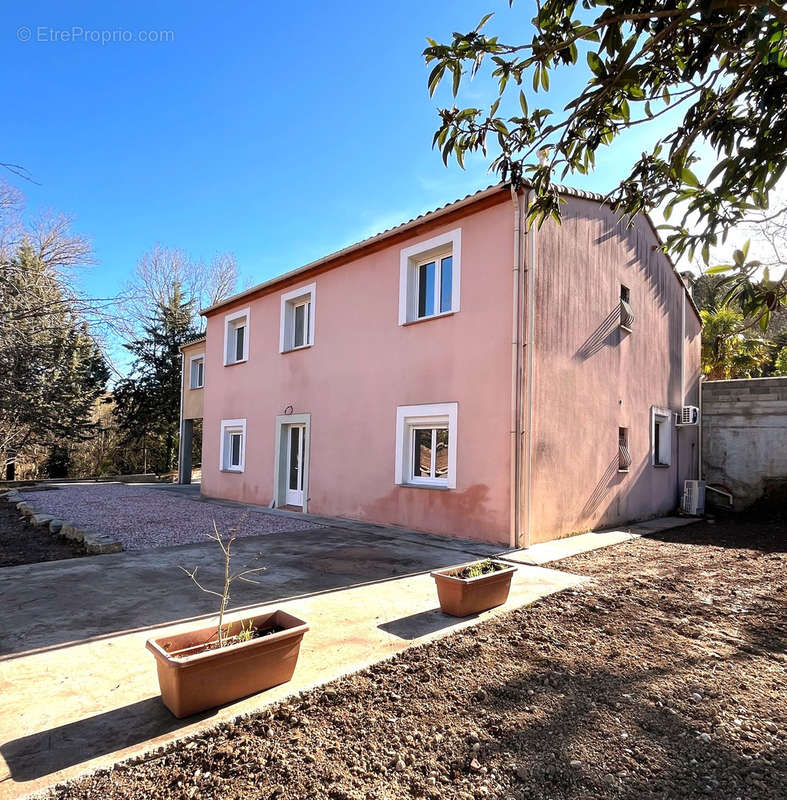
(22, 543)
(662, 677)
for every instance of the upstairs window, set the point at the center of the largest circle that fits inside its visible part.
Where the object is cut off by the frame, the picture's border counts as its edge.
(626, 313)
(197, 372)
(297, 318)
(660, 437)
(236, 337)
(434, 286)
(233, 445)
(429, 278)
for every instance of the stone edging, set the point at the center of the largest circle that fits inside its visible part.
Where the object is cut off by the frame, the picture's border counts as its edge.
(95, 543)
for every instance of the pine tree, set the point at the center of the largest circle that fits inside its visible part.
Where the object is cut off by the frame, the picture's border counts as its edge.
(148, 401)
(51, 370)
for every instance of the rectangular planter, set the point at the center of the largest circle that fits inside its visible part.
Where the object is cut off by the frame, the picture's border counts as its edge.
(193, 683)
(461, 597)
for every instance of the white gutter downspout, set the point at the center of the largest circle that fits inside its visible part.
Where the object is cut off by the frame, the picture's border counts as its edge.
(516, 383)
(683, 347)
(528, 380)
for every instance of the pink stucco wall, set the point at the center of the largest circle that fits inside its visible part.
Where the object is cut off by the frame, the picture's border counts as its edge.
(591, 377)
(362, 366)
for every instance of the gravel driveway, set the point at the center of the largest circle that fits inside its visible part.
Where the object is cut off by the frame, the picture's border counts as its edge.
(144, 518)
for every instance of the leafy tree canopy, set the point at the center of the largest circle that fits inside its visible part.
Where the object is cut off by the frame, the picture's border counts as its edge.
(721, 63)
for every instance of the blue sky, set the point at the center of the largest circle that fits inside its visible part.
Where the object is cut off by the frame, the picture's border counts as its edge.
(280, 132)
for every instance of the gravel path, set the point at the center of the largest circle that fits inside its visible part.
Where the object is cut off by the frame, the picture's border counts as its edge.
(660, 679)
(144, 518)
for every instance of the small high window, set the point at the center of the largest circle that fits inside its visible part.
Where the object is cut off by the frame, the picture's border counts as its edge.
(297, 318)
(626, 312)
(660, 437)
(233, 445)
(624, 456)
(236, 337)
(197, 372)
(429, 278)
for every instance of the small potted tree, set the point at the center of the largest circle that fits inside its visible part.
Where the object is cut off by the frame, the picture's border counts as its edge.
(470, 588)
(210, 666)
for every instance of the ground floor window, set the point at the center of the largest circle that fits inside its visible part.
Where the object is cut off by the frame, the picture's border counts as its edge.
(426, 445)
(233, 445)
(661, 437)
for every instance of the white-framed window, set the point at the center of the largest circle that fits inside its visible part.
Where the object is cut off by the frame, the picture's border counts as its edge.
(296, 328)
(233, 445)
(426, 445)
(197, 371)
(660, 436)
(429, 277)
(236, 337)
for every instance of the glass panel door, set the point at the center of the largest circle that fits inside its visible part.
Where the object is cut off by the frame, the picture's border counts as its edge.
(295, 437)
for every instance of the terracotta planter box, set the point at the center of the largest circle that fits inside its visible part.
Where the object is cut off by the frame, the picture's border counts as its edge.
(192, 683)
(461, 597)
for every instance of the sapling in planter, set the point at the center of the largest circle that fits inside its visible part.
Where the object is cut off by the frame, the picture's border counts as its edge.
(207, 667)
(224, 635)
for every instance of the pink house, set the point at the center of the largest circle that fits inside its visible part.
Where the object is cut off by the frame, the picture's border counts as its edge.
(459, 374)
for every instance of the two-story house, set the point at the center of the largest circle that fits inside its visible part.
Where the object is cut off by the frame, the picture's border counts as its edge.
(460, 373)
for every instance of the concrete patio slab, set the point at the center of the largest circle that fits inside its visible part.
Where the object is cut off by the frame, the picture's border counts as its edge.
(548, 552)
(72, 707)
(662, 524)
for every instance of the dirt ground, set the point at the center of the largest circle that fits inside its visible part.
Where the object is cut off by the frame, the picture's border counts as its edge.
(663, 677)
(21, 543)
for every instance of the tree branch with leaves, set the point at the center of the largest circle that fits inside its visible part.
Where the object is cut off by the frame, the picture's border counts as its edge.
(721, 64)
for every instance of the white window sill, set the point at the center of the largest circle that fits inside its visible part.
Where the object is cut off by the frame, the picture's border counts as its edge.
(233, 363)
(623, 470)
(194, 388)
(296, 349)
(440, 487)
(626, 328)
(426, 319)
(234, 470)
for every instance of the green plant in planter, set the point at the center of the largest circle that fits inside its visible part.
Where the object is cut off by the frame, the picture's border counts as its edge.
(479, 568)
(246, 634)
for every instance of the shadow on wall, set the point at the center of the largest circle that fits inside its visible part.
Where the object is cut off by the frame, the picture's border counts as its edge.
(606, 335)
(608, 479)
(467, 506)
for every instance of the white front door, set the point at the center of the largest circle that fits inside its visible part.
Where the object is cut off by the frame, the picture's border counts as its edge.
(295, 438)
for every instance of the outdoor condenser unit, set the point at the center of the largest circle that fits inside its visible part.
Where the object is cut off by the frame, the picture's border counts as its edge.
(693, 498)
(689, 415)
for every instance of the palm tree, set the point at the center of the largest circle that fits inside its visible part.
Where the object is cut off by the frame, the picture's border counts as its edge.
(726, 351)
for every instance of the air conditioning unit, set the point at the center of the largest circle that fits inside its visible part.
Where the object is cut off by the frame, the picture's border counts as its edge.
(689, 415)
(693, 498)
